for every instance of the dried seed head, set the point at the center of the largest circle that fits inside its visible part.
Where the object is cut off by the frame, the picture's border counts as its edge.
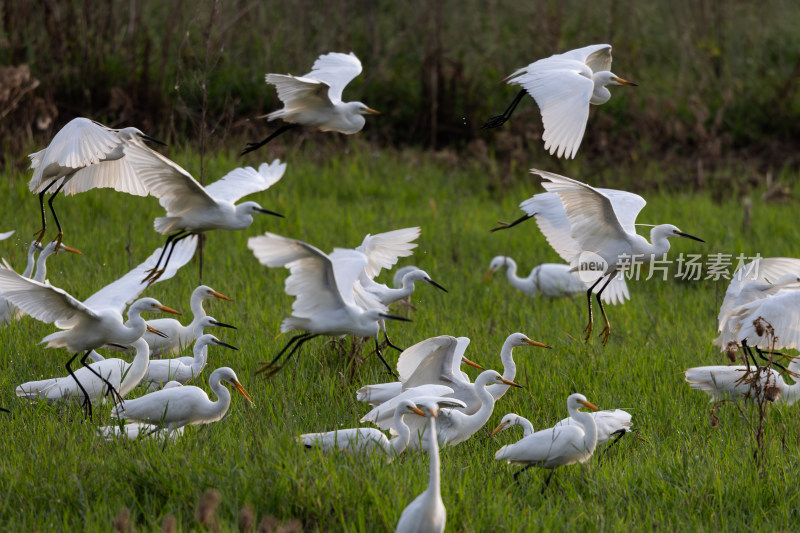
(730, 351)
(759, 325)
(122, 522)
(170, 525)
(771, 393)
(247, 518)
(207, 508)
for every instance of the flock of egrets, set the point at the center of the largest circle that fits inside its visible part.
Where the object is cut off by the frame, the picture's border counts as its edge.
(432, 403)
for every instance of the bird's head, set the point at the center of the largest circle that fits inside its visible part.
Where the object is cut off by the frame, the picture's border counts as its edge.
(496, 264)
(251, 208)
(150, 305)
(421, 275)
(363, 109)
(492, 377)
(209, 321)
(520, 339)
(672, 231)
(131, 133)
(577, 401)
(227, 374)
(207, 292)
(205, 340)
(508, 421)
(609, 78)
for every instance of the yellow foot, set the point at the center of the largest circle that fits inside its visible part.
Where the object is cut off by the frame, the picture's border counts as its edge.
(588, 330)
(39, 235)
(58, 240)
(153, 277)
(605, 333)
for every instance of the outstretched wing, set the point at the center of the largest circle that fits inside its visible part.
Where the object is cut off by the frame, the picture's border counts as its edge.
(429, 355)
(336, 70)
(246, 180)
(596, 56)
(122, 292)
(298, 93)
(384, 249)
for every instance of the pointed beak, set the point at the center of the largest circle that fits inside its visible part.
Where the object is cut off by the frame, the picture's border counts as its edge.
(220, 343)
(394, 317)
(499, 428)
(154, 331)
(241, 390)
(686, 235)
(488, 275)
(589, 405)
(466, 361)
(372, 111)
(429, 280)
(509, 382)
(417, 410)
(153, 140)
(168, 310)
(220, 324)
(221, 296)
(65, 248)
(539, 344)
(625, 82)
(268, 212)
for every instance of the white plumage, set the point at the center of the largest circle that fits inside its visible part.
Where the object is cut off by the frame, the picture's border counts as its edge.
(721, 382)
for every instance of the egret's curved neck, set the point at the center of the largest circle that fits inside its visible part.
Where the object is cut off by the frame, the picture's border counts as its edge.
(136, 324)
(517, 282)
(589, 428)
(659, 240)
(29, 266)
(478, 419)
(137, 369)
(217, 410)
(198, 312)
(509, 371)
(601, 94)
(41, 265)
(400, 442)
(200, 358)
(525, 424)
(434, 483)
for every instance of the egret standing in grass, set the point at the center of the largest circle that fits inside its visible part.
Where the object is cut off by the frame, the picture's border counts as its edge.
(315, 99)
(162, 371)
(556, 446)
(564, 85)
(324, 287)
(609, 423)
(605, 233)
(427, 514)
(86, 155)
(192, 208)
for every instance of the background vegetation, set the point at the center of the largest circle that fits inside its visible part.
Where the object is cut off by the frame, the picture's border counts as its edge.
(719, 79)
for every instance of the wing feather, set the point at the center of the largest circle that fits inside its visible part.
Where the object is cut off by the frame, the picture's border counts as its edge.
(246, 180)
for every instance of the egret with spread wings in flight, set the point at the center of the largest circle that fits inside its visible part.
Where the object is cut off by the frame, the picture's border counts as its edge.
(315, 99)
(564, 85)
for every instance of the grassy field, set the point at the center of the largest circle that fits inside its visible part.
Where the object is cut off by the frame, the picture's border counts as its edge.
(677, 472)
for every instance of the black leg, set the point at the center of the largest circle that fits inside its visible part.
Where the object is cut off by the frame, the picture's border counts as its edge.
(380, 356)
(606, 330)
(40, 233)
(157, 274)
(499, 120)
(506, 225)
(167, 243)
(87, 404)
(547, 481)
(301, 338)
(257, 145)
(619, 434)
(748, 353)
(389, 343)
(590, 325)
(4, 410)
(520, 471)
(110, 390)
(765, 358)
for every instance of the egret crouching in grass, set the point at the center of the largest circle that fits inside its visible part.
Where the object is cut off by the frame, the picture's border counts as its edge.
(556, 446)
(192, 208)
(162, 371)
(86, 155)
(324, 287)
(551, 279)
(181, 406)
(426, 513)
(564, 85)
(734, 382)
(315, 99)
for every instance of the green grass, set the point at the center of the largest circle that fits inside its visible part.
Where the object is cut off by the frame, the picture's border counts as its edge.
(676, 473)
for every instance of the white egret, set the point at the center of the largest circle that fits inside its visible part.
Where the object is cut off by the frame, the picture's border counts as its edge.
(6, 234)
(178, 335)
(397, 278)
(315, 99)
(365, 440)
(86, 155)
(551, 279)
(564, 85)
(552, 220)
(752, 281)
(556, 446)
(87, 325)
(381, 415)
(721, 382)
(140, 430)
(181, 406)
(426, 513)
(456, 425)
(609, 423)
(111, 376)
(164, 370)
(324, 288)
(605, 233)
(192, 208)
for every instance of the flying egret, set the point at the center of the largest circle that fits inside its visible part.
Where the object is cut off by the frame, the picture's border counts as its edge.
(164, 370)
(552, 220)
(609, 423)
(752, 281)
(456, 425)
(315, 99)
(111, 376)
(365, 440)
(551, 279)
(86, 155)
(427, 514)
(178, 335)
(564, 85)
(606, 236)
(324, 288)
(721, 382)
(181, 406)
(192, 208)
(92, 323)
(556, 446)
